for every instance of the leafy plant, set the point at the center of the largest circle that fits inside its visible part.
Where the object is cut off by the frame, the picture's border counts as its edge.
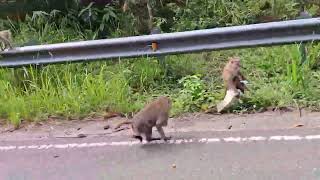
(193, 95)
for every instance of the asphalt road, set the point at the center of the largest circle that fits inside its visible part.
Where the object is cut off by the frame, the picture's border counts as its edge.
(276, 154)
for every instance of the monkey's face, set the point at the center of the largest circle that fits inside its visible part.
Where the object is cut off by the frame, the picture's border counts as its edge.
(235, 64)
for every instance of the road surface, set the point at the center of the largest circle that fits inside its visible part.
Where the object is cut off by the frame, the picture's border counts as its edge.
(273, 154)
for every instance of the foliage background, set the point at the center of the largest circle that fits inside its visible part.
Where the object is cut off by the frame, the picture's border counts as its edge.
(276, 74)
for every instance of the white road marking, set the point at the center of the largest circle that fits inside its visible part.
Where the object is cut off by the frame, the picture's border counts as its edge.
(311, 137)
(172, 141)
(234, 139)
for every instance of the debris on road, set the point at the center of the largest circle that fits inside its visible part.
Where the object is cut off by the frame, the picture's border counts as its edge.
(72, 136)
(106, 127)
(298, 125)
(108, 115)
(121, 129)
(81, 136)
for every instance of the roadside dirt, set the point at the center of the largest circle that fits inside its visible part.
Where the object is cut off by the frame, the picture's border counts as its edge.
(55, 127)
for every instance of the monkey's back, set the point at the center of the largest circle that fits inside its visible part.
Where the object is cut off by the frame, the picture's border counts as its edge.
(148, 116)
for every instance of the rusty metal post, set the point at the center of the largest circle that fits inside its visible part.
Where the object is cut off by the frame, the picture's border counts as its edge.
(155, 46)
(302, 48)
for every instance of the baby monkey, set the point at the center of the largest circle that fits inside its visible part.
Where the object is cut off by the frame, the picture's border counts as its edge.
(156, 113)
(6, 39)
(232, 77)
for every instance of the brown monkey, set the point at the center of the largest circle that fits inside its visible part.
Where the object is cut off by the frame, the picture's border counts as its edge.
(125, 6)
(6, 39)
(232, 76)
(156, 113)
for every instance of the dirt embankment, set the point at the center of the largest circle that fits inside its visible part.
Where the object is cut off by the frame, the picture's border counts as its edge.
(54, 127)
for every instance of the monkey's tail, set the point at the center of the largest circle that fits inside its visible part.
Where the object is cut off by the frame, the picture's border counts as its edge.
(122, 123)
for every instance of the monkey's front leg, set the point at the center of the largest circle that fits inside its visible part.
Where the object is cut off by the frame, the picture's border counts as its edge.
(161, 132)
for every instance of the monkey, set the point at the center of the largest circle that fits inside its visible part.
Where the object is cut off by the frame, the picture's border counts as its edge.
(234, 82)
(96, 2)
(156, 113)
(232, 76)
(6, 39)
(125, 6)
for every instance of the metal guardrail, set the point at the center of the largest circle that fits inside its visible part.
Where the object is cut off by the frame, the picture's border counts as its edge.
(264, 34)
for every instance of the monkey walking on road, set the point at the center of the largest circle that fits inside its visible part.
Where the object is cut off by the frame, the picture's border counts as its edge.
(156, 113)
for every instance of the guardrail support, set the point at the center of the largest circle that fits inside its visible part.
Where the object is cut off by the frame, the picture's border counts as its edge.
(155, 46)
(303, 49)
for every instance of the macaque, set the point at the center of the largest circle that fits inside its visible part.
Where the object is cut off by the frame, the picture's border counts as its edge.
(232, 76)
(96, 2)
(125, 6)
(156, 113)
(6, 39)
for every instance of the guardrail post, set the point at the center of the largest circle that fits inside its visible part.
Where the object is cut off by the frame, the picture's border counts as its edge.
(161, 58)
(303, 50)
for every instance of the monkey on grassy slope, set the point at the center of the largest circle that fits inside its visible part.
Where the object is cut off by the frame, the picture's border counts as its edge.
(156, 113)
(6, 39)
(232, 76)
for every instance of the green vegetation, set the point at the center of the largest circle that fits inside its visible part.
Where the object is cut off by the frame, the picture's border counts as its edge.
(276, 75)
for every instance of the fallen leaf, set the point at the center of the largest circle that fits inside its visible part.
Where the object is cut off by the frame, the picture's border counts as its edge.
(298, 125)
(81, 136)
(106, 127)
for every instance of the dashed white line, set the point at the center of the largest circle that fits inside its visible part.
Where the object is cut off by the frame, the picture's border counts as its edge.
(176, 141)
(234, 139)
(257, 138)
(311, 137)
(210, 140)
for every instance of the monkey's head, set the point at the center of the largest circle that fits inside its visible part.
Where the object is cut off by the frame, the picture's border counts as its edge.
(234, 62)
(167, 100)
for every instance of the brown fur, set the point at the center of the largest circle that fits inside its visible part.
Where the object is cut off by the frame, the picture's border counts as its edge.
(232, 76)
(6, 39)
(156, 113)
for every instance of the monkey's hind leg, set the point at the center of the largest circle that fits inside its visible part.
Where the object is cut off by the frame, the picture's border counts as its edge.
(149, 137)
(138, 137)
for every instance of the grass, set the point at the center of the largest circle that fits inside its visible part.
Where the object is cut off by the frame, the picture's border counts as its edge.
(193, 81)
(276, 75)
